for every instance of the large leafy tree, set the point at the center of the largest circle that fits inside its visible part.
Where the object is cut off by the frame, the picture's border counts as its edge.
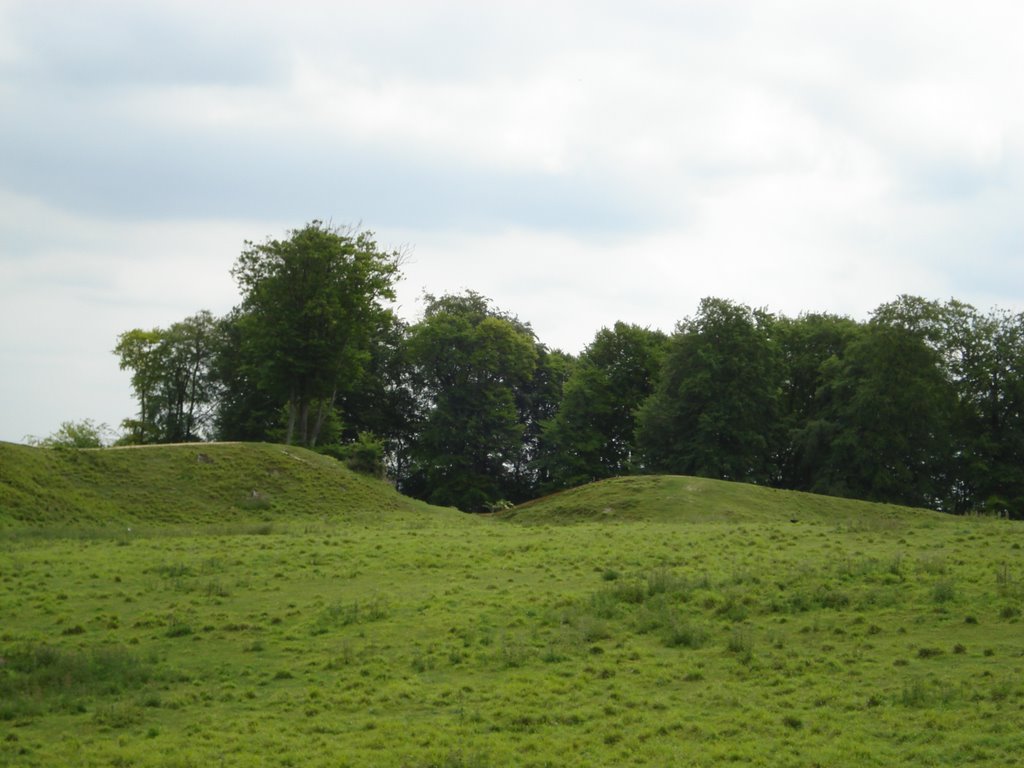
(992, 409)
(140, 352)
(889, 417)
(981, 358)
(472, 362)
(244, 410)
(809, 346)
(714, 411)
(309, 306)
(189, 389)
(538, 402)
(382, 404)
(171, 377)
(592, 435)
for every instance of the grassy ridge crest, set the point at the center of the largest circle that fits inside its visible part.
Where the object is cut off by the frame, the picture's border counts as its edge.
(214, 483)
(195, 483)
(677, 498)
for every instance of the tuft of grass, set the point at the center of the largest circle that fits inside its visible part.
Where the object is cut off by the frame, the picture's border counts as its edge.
(684, 634)
(344, 614)
(943, 591)
(42, 677)
(741, 643)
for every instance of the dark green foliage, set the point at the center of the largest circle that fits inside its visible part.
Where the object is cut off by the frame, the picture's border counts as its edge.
(473, 362)
(887, 420)
(537, 403)
(714, 412)
(923, 405)
(919, 406)
(383, 400)
(807, 346)
(592, 435)
(365, 455)
(309, 305)
(245, 411)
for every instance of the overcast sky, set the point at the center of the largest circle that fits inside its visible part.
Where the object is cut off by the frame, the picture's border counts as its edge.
(577, 162)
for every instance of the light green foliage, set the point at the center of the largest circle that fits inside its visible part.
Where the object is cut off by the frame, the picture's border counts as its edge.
(171, 378)
(641, 621)
(75, 434)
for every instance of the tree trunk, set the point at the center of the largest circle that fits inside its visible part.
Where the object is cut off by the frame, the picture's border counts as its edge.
(321, 417)
(292, 411)
(304, 423)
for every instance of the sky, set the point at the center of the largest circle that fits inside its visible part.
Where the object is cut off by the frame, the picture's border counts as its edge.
(577, 162)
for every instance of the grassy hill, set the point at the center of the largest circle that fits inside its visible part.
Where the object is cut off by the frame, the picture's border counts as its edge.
(641, 621)
(201, 484)
(677, 499)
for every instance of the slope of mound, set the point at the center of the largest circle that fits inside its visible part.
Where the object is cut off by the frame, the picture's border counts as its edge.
(669, 498)
(197, 483)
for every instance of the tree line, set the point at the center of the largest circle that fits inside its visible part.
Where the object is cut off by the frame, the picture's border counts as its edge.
(919, 405)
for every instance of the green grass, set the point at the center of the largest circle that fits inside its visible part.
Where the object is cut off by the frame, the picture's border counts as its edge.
(394, 634)
(676, 499)
(224, 484)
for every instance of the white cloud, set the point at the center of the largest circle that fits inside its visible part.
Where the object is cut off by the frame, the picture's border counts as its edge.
(578, 162)
(70, 284)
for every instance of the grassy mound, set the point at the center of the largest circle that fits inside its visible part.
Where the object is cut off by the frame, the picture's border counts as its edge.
(664, 498)
(203, 484)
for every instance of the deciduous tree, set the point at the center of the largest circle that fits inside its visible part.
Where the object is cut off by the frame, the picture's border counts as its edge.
(592, 435)
(714, 411)
(472, 361)
(309, 305)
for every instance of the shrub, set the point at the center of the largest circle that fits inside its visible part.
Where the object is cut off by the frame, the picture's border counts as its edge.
(663, 581)
(365, 455)
(75, 434)
(179, 629)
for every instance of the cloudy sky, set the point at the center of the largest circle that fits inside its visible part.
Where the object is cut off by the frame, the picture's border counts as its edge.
(577, 162)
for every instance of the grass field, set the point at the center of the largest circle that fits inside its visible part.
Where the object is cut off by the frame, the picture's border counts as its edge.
(154, 611)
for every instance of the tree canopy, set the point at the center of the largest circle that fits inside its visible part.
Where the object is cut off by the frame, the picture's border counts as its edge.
(921, 404)
(308, 305)
(472, 361)
(714, 411)
(591, 436)
(171, 378)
